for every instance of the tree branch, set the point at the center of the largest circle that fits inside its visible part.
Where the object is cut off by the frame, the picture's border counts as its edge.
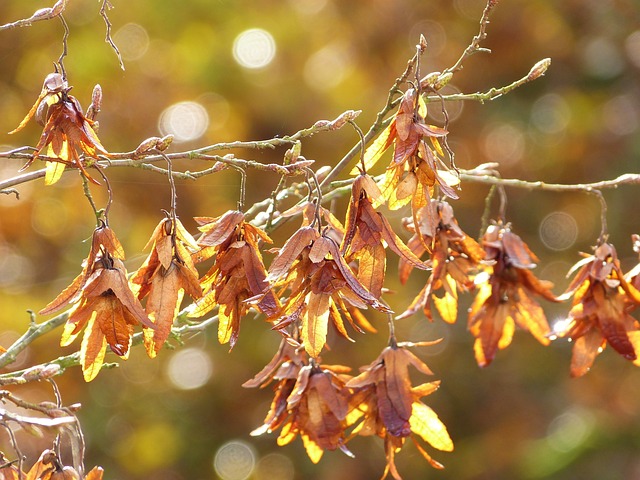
(38, 15)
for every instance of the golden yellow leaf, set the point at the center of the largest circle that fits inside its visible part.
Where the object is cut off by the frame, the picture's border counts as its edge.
(376, 149)
(95, 474)
(53, 172)
(312, 448)
(448, 304)
(425, 423)
(92, 350)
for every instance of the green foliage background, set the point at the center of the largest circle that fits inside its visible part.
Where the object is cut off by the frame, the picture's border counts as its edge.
(521, 418)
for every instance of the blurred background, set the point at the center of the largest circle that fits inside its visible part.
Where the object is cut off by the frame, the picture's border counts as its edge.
(218, 70)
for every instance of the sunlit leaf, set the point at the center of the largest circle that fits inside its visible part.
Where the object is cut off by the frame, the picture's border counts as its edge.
(425, 423)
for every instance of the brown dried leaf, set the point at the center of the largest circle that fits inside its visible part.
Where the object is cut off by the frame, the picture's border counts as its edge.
(163, 306)
(290, 251)
(517, 251)
(219, 230)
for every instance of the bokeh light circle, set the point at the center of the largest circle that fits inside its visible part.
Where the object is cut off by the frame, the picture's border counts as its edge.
(601, 58)
(235, 460)
(505, 144)
(254, 48)
(454, 108)
(274, 465)
(550, 114)
(621, 115)
(47, 224)
(327, 67)
(558, 231)
(132, 41)
(632, 46)
(189, 369)
(308, 7)
(570, 430)
(186, 121)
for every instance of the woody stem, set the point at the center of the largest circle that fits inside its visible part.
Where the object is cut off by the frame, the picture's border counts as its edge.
(65, 39)
(362, 145)
(393, 343)
(87, 193)
(109, 193)
(172, 185)
(604, 233)
(312, 174)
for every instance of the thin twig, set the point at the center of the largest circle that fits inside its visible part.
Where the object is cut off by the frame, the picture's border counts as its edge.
(61, 364)
(272, 207)
(87, 193)
(109, 194)
(14, 445)
(11, 191)
(106, 5)
(362, 145)
(474, 46)
(479, 177)
(589, 188)
(378, 125)
(38, 15)
(393, 343)
(243, 182)
(486, 213)
(65, 45)
(34, 331)
(604, 231)
(536, 71)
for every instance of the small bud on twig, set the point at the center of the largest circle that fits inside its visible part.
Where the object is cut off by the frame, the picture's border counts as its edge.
(539, 69)
(96, 103)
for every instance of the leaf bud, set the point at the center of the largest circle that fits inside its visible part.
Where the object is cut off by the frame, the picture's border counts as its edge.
(33, 373)
(291, 155)
(67, 473)
(42, 14)
(164, 142)
(58, 8)
(347, 116)
(442, 80)
(539, 69)
(54, 83)
(96, 102)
